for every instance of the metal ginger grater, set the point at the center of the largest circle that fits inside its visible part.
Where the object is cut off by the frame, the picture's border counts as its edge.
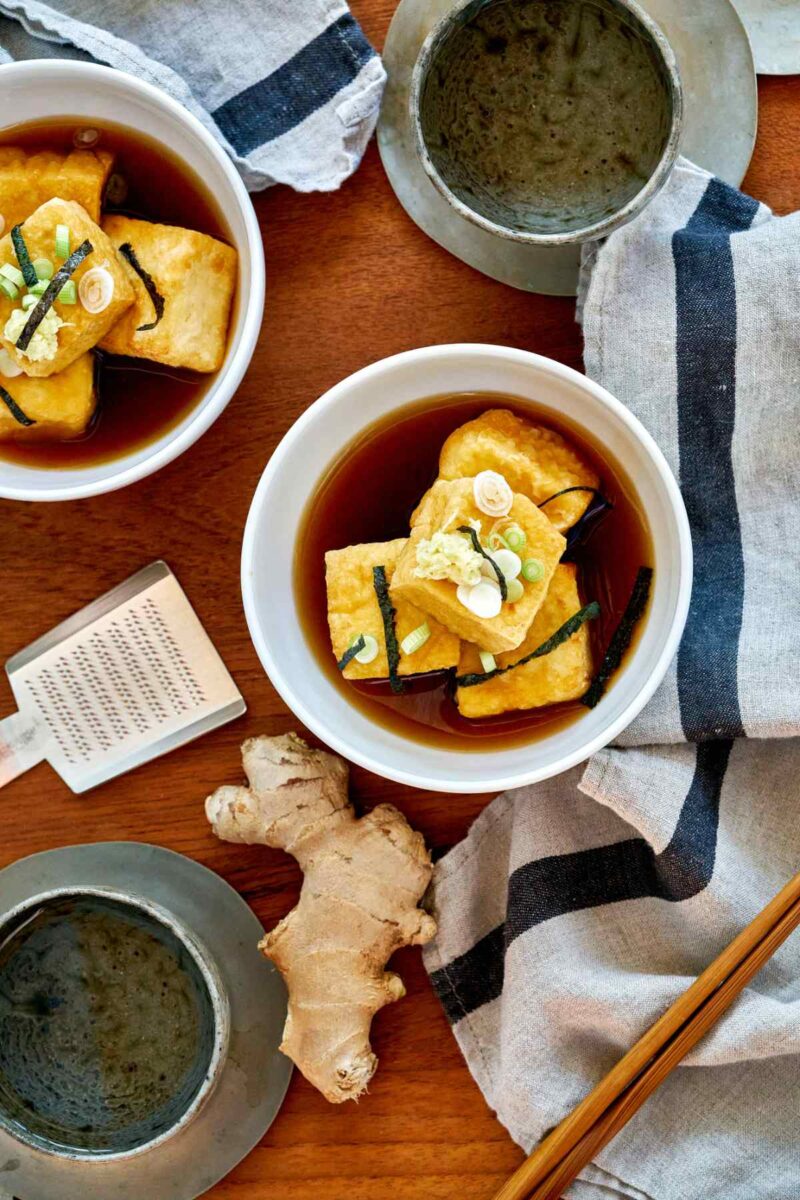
(123, 681)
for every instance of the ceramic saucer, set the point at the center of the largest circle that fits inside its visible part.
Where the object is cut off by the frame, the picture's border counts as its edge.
(721, 112)
(256, 1075)
(774, 30)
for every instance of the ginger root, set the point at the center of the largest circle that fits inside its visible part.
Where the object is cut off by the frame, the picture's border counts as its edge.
(362, 881)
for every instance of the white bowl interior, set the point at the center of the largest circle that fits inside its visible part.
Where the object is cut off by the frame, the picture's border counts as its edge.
(317, 439)
(37, 90)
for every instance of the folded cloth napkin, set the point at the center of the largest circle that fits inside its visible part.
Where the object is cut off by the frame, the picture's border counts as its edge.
(576, 911)
(290, 88)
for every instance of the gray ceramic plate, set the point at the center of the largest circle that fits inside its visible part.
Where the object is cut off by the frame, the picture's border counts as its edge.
(774, 30)
(721, 114)
(256, 1075)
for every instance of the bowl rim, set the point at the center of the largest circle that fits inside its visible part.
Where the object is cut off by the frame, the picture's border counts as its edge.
(460, 783)
(597, 229)
(229, 377)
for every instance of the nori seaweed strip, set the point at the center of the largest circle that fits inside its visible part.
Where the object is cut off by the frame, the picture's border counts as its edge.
(23, 258)
(578, 487)
(351, 651)
(501, 579)
(15, 410)
(622, 636)
(128, 252)
(50, 294)
(389, 632)
(583, 525)
(561, 635)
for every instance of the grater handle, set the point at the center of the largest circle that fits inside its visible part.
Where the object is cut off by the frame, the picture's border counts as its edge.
(23, 744)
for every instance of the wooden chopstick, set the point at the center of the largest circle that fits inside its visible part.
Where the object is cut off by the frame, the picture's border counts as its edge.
(617, 1097)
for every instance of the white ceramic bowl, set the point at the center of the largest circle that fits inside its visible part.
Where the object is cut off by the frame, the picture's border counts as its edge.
(37, 89)
(319, 437)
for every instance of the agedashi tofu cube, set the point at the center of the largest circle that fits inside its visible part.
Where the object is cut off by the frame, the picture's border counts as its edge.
(353, 609)
(30, 178)
(52, 349)
(536, 461)
(563, 674)
(60, 406)
(195, 275)
(445, 507)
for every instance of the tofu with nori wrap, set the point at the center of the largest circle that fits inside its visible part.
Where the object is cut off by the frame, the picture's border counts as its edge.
(81, 330)
(353, 609)
(563, 674)
(448, 506)
(194, 274)
(60, 406)
(29, 178)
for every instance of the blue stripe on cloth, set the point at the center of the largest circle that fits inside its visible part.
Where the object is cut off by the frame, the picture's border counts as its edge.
(565, 883)
(706, 357)
(294, 91)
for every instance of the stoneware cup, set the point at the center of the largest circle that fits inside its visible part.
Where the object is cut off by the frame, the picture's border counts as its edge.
(42, 89)
(493, 212)
(322, 435)
(211, 1053)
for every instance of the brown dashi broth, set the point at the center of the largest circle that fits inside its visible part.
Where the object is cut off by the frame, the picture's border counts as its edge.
(138, 400)
(369, 494)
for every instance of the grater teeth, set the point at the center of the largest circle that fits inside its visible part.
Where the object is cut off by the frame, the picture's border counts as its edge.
(124, 680)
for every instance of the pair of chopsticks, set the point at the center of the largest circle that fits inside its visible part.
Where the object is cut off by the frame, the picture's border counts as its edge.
(560, 1157)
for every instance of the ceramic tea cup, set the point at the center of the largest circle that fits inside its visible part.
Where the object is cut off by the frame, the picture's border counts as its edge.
(547, 123)
(114, 1024)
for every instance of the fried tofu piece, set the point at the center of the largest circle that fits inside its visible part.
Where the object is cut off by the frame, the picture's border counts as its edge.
(30, 178)
(82, 330)
(536, 461)
(61, 405)
(445, 507)
(353, 609)
(563, 674)
(196, 275)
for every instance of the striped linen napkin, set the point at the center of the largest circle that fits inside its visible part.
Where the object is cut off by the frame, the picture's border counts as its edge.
(576, 911)
(290, 88)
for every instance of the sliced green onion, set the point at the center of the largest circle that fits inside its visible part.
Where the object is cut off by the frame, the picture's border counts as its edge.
(11, 272)
(29, 301)
(69, 293)
(44, 268)
(369, 651)
(488, 661)
(532, 570)
(515, 538)
(496, 541)
(515, 590)
(7, 288)
(39, 288)
(62, 241)
(416, 639)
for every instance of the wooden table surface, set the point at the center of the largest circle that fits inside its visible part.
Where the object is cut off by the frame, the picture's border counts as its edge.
(350, 280)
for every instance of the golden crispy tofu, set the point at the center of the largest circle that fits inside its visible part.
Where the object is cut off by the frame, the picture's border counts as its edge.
(353, 609)
(536, 461)
(30, 178)
(196, 275)
(563, 674)
(445, 507)
(61, 405)
(82, 330)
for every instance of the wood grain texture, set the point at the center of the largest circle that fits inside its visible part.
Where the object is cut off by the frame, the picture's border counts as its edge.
(350, 280)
